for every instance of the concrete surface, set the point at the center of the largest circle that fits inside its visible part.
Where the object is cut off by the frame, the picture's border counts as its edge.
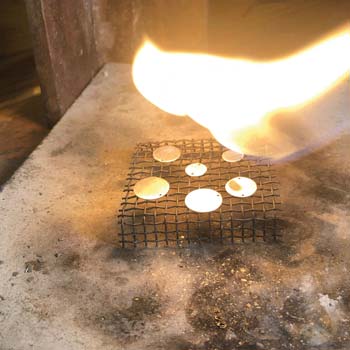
(65, 284)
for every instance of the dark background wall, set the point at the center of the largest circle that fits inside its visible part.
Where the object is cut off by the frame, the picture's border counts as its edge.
(265, 29)
(17, 68)
(15, 36)
(22, 111)
(260, 29)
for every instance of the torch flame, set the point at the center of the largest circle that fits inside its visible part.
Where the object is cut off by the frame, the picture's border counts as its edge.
(231, 97)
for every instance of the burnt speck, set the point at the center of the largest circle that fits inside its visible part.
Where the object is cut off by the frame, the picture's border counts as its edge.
(230, 265)
(126, 324)
(33, 265)
(141, 307)
(61, 150)
(132, 256)
(14, 274)
(229, 254)
(213, 308)
(121, 280)
(71, 261)
(294, 308)
(346, 299)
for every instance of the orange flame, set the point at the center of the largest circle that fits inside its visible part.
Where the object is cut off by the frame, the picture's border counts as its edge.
(233, 97)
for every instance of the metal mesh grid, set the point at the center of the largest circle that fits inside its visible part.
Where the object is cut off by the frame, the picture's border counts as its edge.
(168, 222)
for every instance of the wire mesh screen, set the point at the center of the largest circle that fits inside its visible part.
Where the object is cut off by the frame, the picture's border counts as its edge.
(168, 222)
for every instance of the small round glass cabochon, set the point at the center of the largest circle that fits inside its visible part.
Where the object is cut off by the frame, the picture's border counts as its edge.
(151, 188)
(203, 200)
(232, 156)
(196, 169)
(166, 154)
(241, 187)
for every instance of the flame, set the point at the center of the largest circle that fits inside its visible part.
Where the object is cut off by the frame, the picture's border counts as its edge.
(235, 98)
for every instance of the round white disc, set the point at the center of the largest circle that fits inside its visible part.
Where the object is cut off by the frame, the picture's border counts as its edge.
(166, 154)
(196, 169)
(203, 200)
(232, 156)
(151, 188)
(241, 187)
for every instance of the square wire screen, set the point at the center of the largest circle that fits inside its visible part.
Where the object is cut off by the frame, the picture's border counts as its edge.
(168, 222)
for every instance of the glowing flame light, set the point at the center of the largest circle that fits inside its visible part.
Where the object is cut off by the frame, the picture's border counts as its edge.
(232, 96)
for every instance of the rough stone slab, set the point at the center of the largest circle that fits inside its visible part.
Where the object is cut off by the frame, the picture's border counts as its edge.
(64, 49)
(66, 285)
